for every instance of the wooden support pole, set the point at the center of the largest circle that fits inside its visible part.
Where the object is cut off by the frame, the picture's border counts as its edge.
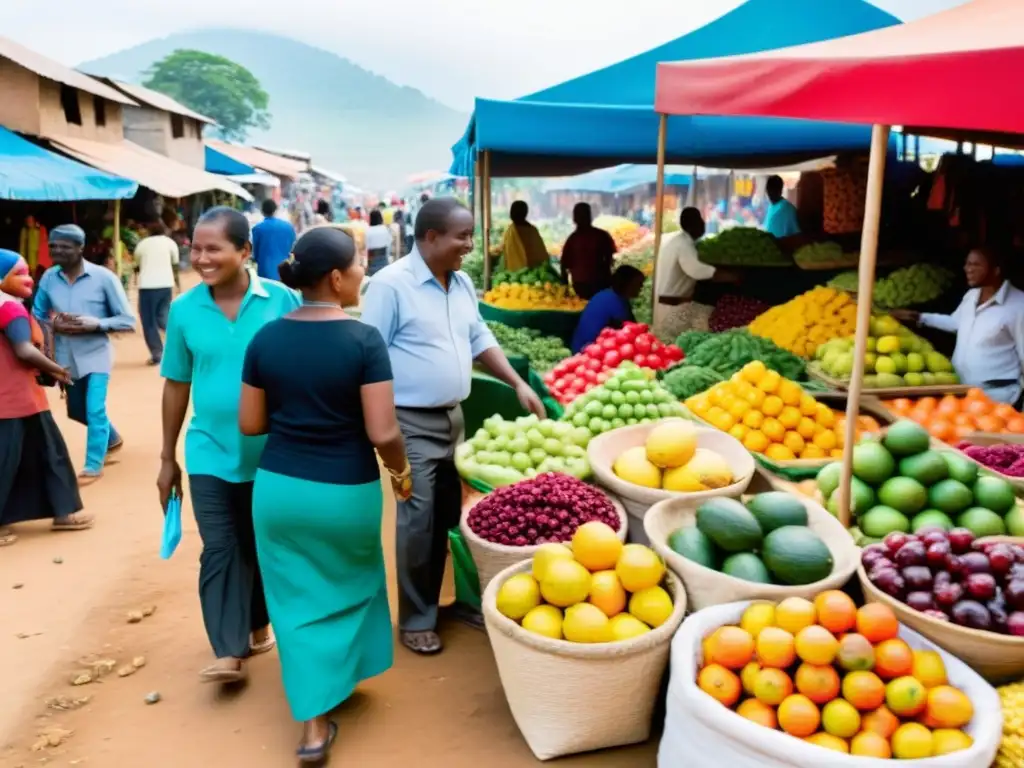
(865, 287)
(485, 209)
(116, 238)
(659, 206)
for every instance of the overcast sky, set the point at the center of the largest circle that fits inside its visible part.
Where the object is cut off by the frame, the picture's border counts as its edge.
(452, 50)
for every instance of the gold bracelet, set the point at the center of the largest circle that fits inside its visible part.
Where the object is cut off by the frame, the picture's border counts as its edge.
(404, 474)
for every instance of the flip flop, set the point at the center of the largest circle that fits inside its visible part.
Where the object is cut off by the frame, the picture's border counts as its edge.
(73, 522)
(318, 754)
(88, 478)
(218, 674)
(425, 643)
(255, 649)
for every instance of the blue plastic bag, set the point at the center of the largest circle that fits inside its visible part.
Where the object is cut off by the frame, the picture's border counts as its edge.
(172, 528)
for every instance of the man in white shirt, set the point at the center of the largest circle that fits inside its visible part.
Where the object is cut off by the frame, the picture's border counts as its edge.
(678, 271)
(989, 328)
(156, 261)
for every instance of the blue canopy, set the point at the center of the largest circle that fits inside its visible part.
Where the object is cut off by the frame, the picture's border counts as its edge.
(29, 172)
(608, 116)
(621, 178)
(218, 162)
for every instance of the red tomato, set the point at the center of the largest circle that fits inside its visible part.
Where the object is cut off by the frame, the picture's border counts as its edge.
(673, 353)
(589, 376)
(640, 359)
(594, 365)
(612, 358)
(602, 377)
(641, 328)
(644, 342)
(656, 362)
(627, 351)
(593, 350)
(609, 343)
(656, 347)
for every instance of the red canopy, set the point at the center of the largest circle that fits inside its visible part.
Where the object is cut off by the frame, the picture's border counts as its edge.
(959, 69)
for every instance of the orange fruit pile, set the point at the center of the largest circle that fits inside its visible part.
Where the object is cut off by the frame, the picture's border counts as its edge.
(836, 676)
(951, 418)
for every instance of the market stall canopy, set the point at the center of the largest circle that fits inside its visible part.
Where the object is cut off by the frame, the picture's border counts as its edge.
(953, 69)
(258, 178)
(257, 158)
(29, 172)
(620, 179)
(161, 174)
(218, 162)
(608, 117)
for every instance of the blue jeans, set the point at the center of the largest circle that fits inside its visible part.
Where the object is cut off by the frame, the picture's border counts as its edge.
(87, 404)
(154, 304)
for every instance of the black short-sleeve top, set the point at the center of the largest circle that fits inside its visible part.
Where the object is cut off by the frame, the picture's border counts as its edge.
(312, 373)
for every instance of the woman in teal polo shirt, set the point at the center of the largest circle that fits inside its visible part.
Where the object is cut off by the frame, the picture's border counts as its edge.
(208, 330)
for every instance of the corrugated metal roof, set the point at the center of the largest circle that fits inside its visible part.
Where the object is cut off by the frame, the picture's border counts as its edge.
(149, 97)
(161, 174)
(52, 70)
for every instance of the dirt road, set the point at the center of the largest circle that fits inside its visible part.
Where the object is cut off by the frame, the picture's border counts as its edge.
(65, 601)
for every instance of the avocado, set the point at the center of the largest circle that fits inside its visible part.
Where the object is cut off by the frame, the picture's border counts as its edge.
(960, 467)
(906, 438)
(729, 524)
(994, 493)
(828, 478)
(776, 509)
(931, 517)
(694, 546)
(903, 494)
(796, 555)
(746, 566)
(872, 463)
(950, 496)
(880, 521)
(860, 492)
(927, 468)
(982, 522)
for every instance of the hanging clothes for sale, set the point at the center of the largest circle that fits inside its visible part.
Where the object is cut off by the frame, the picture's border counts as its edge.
(34, 245)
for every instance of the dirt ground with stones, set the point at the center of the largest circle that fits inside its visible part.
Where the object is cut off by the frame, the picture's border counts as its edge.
(99, 608)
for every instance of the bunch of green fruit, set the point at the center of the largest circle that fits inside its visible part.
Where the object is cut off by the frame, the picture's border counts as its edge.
(818, 253)
(543, 352)
(545, 273)
(845, 281)
(504, 452)
(643, 306)
(901, 484)
(641, 259)
(895, 357)
(916, 284)
(741, 246)
(629, 396)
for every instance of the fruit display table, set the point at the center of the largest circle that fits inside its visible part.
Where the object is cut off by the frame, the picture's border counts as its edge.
(489, 397)
(549, 322)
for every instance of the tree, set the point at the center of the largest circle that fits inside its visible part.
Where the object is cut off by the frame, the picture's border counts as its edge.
(214, 86)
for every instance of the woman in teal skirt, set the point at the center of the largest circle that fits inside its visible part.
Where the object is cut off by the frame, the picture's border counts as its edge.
(318, 383)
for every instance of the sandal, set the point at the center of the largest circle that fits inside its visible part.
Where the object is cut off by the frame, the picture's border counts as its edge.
(88, 478)
(7, 537)
(217, 673)
(112, 452)
(318, 753)
(73, 522)
(266, 646)
(426, 643)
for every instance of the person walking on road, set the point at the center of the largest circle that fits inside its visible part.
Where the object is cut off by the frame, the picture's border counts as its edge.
(37, 479)
(208, 330)
(272, 241)
(83, 304)
(156, 262)
(426, 310)
(317, 502)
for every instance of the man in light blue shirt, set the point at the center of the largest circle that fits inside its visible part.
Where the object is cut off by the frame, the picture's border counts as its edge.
(83, 303)
(781, 219)
(426, 310)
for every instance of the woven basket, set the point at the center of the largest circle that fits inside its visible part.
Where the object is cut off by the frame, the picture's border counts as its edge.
(706, 587)
(606, 448)
(493, 558)
(569, 697)
(997, 658)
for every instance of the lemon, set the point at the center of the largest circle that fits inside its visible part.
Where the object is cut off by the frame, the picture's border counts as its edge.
(625, 626)
(544, 620)
(518, 596)
(633, 467)
(652, 606)
(671, 443)
(758, 616)
(607, 593)
(596, 546)
(545, 555)
(585, 623)
(565, 583)
(638, 568)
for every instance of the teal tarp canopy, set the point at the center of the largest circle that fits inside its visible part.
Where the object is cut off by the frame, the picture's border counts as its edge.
(608, 117)
(218, 162)
(29, 172)
(620, 179)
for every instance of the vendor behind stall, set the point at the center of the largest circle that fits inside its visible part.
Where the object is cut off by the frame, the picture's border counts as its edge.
(609, 308)
(679, 270)
(989, 328)
(781, 219)
(587, 255)
(523, 246)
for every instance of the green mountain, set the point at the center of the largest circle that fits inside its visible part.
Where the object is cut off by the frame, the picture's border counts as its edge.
(350, 120)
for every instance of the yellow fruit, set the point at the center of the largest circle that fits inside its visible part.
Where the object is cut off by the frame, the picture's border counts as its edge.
(795, 613)
(607, 593)
(596, 546)
(772, 406)
(772, 686)
(518, 596)
(912, 741)
(748, 676)
(565, 583)
(625, 626)
(544, 620)
(929, 668)
(545, 554)
(753, 371)
(652, 606)
(585, 623)
(794, 442)
(704, 472)
(769, 383)
(756, 441)
(633, 467)
(757, 616)
(816, 645)
(825, 440)
(639, 568)
(808, 405)
(773, 430)
(828, 741)
(671, 443)
(945, 741)
(825, 416)
(790, 392)
(753, 419)
(790, 417)
(840, 718)
(739, 431)
(806, 428)
(811, 451)
(779, 452)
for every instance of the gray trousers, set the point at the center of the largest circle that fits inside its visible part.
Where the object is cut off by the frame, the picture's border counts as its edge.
(424, 520)
(230, 587)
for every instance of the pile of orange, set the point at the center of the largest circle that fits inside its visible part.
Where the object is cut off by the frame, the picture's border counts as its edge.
(836, 676)
(951, 418)
(771, 415)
